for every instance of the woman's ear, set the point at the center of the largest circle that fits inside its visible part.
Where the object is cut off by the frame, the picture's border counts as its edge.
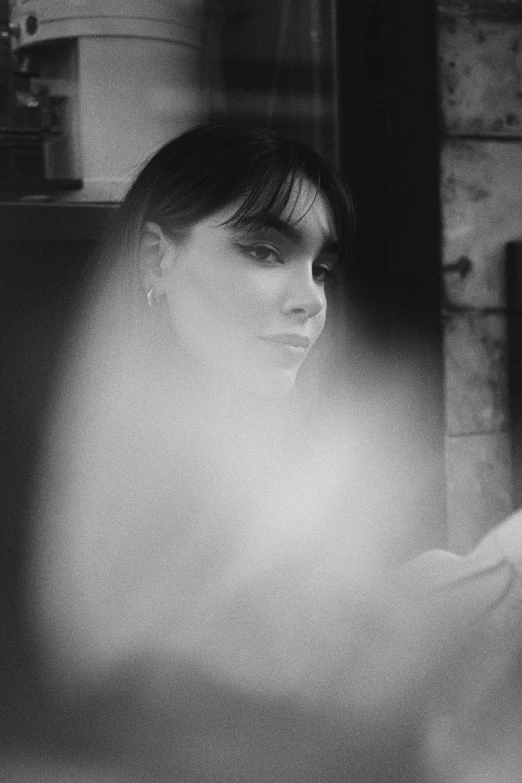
(156, 257)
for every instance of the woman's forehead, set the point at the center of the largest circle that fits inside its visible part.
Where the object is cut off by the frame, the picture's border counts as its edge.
(308, 226)
(304, 203)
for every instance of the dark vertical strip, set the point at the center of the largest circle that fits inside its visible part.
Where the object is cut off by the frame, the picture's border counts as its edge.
(389, 138)
(514, 307)
(362, 121)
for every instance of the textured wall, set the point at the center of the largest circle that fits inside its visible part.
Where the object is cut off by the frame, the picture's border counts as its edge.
(480, 49)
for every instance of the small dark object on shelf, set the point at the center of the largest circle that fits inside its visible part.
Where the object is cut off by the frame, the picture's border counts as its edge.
(22, 168)
(31, 24)
(21, 154)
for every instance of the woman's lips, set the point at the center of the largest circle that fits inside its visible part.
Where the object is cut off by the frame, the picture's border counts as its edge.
(287, 349)
(289, 339)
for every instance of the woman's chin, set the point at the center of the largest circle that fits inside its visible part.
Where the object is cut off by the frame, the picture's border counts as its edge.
(273, 385)
(261, 381)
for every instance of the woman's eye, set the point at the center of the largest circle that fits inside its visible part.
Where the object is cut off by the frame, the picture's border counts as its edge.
(322, 273)
(263, 253)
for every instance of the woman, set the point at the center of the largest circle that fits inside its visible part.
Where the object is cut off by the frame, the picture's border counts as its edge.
(276, 205)
(204, 529)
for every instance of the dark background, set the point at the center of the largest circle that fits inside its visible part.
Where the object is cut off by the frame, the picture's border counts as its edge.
(389, 132)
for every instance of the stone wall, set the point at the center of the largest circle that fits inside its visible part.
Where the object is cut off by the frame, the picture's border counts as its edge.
(480, 49)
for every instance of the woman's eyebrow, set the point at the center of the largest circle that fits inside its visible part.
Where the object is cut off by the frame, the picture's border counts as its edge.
(288, 230)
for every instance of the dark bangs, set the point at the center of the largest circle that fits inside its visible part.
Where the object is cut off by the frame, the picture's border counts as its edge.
(274, 186)
(220, 164)
(271, 191)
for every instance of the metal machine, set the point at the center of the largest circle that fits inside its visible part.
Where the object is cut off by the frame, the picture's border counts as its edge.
(97, 86)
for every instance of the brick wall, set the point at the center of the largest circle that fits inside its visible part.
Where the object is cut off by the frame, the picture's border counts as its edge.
(480, 77)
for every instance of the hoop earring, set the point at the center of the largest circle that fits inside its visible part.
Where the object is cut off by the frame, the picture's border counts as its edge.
(151, 298)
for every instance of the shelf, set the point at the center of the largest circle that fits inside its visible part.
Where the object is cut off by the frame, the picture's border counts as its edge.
(38, 222)
(29, 186)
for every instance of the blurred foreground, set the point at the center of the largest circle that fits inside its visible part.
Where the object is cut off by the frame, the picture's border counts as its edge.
(212, 594)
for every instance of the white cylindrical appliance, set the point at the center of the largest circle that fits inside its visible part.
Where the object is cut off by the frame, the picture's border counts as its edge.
(131, 71)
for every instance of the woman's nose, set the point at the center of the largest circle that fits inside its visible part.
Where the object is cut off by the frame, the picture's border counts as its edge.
(304, 297)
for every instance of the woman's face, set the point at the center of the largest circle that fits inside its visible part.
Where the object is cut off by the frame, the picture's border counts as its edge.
(249, 303)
